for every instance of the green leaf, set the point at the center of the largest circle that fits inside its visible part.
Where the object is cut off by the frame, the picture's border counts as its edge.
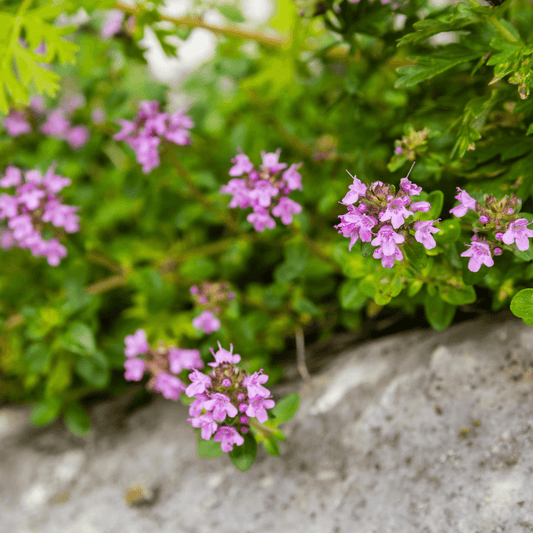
(450, 19)
(24, 33)
(296, 254)
(457, 295)
(430, 66)
(450, 230)
(79, 339)
(271, 446)
(76, 298)
(439, 313)
(303, 305)
(36, 357)
(473, 278)
(525, 255)
(198, 269)
(522, 305)
(388, 285)
(286, 408)
(436, 200)
(350, 296)
(414, 287)
(353, 264)
(94, 369)
(416, 255)
(45, 411)
(208, 449)
(60, 377)
(231, 12)
(243, 456)
(77, 420)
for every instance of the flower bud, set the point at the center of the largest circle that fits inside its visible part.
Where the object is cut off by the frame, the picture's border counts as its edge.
(498, 251)
(243, 407)
(241, 397)
(226, 383)
(499, 236)
(244, 420)
(484, 219)
(244, 430)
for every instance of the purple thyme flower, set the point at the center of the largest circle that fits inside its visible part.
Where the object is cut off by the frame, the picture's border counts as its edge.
(479, 253)
(254, 385)
(77, 136)
(200, 382)
(136, 344)
(223, 356)
(112, 23)
(292, 177)
(355, 226)
(387, 261)
(34, 203)
(242, 165)
(387, 238)
(466, 203)
(396, 212)
(150, 129)
(420, 206)
(424, 229)
(285, 209)
(207, 322)
(257, 408)
(184, 359)
(271, 161)
(221, 405)
(196, 407)
(410, 188)
(228, 436)
(169, 386)
(261, 220)
(206, 422)
(56, 124)
(16, 124)
(357, 189)
(135, 368)
(518, 232)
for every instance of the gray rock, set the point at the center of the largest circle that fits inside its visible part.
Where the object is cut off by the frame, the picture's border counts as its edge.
(417, 432)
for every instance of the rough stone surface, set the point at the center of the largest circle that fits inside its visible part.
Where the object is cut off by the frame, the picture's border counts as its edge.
(418, 432)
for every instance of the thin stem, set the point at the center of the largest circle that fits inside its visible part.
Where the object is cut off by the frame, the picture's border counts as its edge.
(231, 31)
(105, 262)
(300, 354)
(503, 30)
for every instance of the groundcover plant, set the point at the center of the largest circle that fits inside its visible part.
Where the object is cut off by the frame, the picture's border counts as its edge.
(337, 162)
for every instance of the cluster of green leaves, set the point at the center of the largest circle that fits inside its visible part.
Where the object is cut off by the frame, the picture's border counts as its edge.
(340, 103)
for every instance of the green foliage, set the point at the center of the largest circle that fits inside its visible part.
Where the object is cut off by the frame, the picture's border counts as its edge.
(345, 85)
(21, 65)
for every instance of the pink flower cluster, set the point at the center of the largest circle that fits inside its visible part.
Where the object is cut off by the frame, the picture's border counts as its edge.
(211, 297)
(150, 129)
(226, 399)
(35, 203)
(53, 123)
(380, 218)
(265, 190)
(164, 364)
(498, 217)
